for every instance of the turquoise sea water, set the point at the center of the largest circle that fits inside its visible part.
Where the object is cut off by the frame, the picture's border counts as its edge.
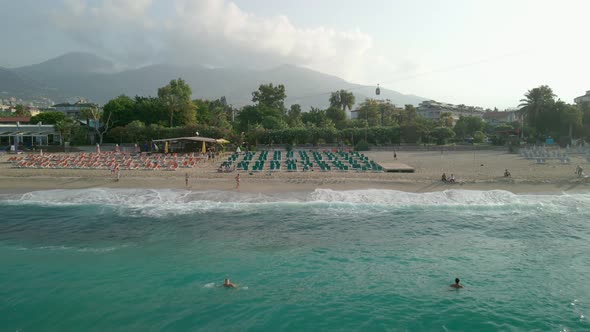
(371, 260)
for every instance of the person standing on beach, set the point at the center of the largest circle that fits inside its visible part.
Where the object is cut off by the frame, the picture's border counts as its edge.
(186, 179)
(238, 181)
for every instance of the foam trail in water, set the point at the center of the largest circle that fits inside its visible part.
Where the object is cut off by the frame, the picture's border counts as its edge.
(68, 248)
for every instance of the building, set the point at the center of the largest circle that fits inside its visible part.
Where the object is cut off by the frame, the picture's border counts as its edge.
(583, 99)
(432, 110)
(74, 110)
(28, 135)
(496, 117)
(15, 120)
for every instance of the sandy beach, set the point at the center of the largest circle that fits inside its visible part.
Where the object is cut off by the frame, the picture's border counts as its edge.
(474, 170)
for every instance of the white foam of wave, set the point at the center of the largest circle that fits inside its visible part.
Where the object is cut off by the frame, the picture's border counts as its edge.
(68, 248)
(166, 201)
(209, 285)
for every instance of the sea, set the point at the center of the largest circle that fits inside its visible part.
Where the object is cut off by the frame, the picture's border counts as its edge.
(362, 260)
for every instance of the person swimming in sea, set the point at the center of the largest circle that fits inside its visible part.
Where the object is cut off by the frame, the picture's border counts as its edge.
(455, 285)
(228, 284)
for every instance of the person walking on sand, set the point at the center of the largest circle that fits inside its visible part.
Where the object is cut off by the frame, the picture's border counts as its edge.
(238, 181)
(186, 179)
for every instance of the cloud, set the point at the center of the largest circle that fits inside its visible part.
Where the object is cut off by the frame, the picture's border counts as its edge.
(121, 30)
(213, 32)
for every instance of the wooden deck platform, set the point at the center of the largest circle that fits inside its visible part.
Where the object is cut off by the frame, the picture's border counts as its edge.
(396, 167)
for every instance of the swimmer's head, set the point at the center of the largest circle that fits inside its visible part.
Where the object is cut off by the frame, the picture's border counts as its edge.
(226, 280)
(456, 280)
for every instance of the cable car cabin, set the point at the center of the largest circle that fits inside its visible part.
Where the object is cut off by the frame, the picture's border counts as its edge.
(378, 90)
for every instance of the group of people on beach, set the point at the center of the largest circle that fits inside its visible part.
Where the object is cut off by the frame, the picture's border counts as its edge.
(226, 168)
(450, 179)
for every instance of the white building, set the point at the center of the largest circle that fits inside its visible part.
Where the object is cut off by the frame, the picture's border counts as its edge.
(497, 117)
(432, 110)
(583, 99)
(74, 110)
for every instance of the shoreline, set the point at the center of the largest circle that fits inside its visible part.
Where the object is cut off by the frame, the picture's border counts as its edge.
(281, 185)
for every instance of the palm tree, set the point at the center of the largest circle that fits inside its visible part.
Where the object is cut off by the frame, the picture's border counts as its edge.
(342, 99)
(536, 102)
(65, 127)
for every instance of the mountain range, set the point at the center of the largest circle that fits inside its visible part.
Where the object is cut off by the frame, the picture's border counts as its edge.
(83, 75)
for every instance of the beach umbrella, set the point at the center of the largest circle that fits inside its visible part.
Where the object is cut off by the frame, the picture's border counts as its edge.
(117, 149)
(136, 148)
(204, 148)
(238, 150)
(166, 147)
(97, 148)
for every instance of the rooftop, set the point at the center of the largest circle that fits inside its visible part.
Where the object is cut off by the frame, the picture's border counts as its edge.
(14, 119)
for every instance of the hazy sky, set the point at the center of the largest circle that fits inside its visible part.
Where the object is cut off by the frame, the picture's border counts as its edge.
(485, 53)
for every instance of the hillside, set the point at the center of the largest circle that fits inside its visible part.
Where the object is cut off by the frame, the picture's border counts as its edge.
(80, 74)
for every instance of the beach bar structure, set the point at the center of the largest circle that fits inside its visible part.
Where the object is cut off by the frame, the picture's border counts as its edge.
(28, 135)
(194, 139)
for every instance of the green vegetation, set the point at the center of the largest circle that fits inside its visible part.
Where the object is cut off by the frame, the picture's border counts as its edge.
(48, 118)
(547, 117)
(269, 121)
(21, 111)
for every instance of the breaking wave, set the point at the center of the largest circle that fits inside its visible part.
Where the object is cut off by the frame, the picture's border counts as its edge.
(167, 201)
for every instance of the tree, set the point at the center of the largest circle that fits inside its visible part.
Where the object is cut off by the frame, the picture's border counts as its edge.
(479, 137)
(65, 128)
(121, 110)
(134, 130)
(369, 110)
(22, 111)
(219, 118)
(273, 123)
(537, 102)
(570, 117)
(337, 115)
(467, 125)
(250, 116)
(176, 96)
(101, 122)
(271, 96)
(410, 112)
(446, 119)
(442, 135)
(48, 117)
(294, 116)
(389, 114)
(149, 110)
(317, 118)
(342, 99)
